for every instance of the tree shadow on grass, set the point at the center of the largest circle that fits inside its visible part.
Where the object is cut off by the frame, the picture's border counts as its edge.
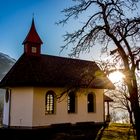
(100, 134)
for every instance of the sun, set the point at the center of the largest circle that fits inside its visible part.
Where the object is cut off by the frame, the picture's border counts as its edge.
(116, 77)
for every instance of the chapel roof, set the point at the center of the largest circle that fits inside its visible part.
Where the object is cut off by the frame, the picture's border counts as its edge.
(54, 71)
(32, 35)
(107, 99)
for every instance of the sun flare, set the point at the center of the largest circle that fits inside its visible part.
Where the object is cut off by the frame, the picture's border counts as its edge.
(116, 76)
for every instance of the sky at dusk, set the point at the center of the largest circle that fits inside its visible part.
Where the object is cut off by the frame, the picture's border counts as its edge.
(15, 21)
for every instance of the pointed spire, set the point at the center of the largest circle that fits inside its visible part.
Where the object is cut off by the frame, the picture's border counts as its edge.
(32, 36)
(32, 42)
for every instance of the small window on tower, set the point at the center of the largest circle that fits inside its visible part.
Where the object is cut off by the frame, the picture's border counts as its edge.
(34, 49)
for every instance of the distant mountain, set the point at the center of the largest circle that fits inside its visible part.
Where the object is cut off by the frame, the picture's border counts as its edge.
(6, 62)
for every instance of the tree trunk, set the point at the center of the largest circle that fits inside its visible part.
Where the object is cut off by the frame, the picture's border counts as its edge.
(135, 105)
(131, 118)
(136, 111)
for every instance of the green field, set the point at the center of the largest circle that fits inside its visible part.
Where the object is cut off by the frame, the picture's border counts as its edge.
(117, 131)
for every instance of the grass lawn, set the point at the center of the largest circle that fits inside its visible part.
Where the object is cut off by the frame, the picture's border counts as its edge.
(117, 132)
(81, 131)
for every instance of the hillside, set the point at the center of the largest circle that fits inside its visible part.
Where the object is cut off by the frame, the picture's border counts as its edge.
(6, 62)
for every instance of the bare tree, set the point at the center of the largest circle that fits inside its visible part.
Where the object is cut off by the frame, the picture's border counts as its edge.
(114, 117)
(121, 100)
(120, 96)
(111, 22)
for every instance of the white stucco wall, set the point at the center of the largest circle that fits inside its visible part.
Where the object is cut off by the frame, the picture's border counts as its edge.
(21, 107)
(28, 108)
(61, 115)
(6, 112)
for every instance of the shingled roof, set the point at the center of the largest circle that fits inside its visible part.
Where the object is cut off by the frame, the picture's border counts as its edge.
(53, 71)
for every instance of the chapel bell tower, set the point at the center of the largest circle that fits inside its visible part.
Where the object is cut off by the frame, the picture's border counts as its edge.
(32, 42)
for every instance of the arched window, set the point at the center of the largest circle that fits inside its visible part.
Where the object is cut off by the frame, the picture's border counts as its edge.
(91, 102)
(49, 102)
(71, 102)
